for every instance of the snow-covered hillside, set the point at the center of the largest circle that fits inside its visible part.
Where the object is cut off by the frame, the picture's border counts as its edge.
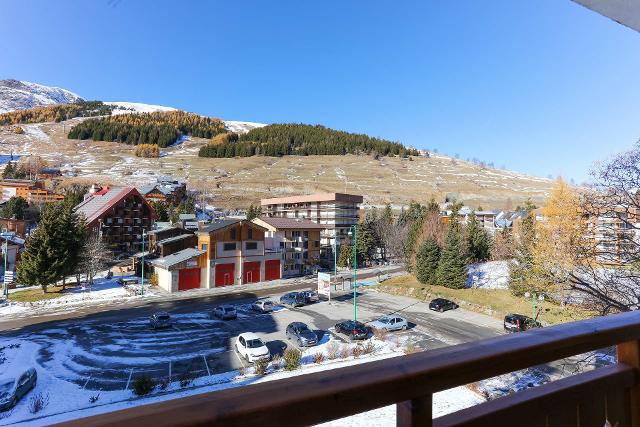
(19, 95)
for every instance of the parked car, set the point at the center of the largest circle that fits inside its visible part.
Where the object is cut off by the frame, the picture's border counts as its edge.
(293, 299)
(353, 329)
(225, 312)
(310, 296)
(441, 304)
(251, 347)
(300, 332)
(160, 320)
(390, 323)
(518, 323)
(12, 390)
(263, 306)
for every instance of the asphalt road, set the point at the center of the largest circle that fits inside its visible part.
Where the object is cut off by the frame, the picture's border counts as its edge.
(104, 351)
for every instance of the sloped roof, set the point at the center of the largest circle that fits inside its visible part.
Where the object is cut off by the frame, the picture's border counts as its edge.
(291, 223)
(96, 205)
(214, 226)
(177, 258)
(175, 238)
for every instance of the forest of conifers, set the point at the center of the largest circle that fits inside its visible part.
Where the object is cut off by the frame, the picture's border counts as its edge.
(56, 113)
(161, 128)
(303, 140)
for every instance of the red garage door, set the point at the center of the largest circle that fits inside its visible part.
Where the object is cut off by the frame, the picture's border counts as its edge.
(251, 272)
(189, 278)
(225, 274)
(272, 269)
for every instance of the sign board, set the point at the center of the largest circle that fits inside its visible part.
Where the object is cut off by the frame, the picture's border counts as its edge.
(8, 277)
(324, 284)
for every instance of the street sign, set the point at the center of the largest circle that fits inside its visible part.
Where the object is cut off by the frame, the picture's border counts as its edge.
(324, 284)
(8, 277)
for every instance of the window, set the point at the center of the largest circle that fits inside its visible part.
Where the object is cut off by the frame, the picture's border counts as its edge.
(250, 234)
(306, 244)
(232, 234)
(229, 246)
(316, 243)
(305, 255)
(251, 246)
(204, 246)
(306, 233)
(282, 244)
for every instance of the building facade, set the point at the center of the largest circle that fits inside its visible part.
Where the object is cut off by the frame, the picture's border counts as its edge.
(336, 212)
(120, 215)
(298, 240)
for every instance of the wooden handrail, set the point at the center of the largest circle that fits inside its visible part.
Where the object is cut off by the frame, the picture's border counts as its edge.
(327, 395)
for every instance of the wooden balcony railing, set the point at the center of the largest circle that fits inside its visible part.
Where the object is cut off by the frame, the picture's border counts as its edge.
(585, 399)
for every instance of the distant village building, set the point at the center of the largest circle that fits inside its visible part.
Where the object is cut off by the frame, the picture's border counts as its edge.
(166, 190)
(337, 212)
(31, 190)
(12, 225)
(298, 240)
(119, 215)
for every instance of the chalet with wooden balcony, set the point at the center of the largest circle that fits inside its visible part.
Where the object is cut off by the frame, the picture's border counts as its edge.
(119, 215)
(236, 254)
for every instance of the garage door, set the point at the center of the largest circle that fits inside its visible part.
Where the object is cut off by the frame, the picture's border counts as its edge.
(189, 278)
(225, 274)
(272, 269)
(251, 272)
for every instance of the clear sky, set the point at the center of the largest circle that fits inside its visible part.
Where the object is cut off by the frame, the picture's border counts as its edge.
(539, 86)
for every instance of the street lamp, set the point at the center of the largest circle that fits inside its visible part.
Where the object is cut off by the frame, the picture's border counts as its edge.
(355, 280)
(534, 301)
(142, 281)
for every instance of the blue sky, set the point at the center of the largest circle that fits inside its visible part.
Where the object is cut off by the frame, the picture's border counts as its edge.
(540, 86)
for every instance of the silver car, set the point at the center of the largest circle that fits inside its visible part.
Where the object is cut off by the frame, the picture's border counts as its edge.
(225, 312)
(12, 390)
(263, 306)
(160, 320)
(390, 323)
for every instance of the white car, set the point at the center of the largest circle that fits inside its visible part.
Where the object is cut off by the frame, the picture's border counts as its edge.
(390, 323)
(263, 306)
(251, 347)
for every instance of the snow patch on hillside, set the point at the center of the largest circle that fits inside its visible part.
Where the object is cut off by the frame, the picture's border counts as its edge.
(241, 127)
(20, 95)
(136, 107)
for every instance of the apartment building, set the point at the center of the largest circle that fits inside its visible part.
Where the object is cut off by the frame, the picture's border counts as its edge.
(166, 189)
(235, 254)
(119, 215)
(297, 239)
(615, 232)
(336, 212)
(30, 190)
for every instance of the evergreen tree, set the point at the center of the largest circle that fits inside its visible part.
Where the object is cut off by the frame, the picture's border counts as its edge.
(160, 209)
(9, 171)
(72, 241)
(365, 242)
(49, 249)
(521, 270)
(478, 241)
(387, 214)
(345, 256)
(254, 212)
(451, 268)
(14, 208)
(427, 260)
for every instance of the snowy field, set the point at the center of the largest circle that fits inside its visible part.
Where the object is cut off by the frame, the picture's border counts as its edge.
(488, 275)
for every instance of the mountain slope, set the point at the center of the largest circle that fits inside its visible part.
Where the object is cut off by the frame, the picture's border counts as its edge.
(20, 95)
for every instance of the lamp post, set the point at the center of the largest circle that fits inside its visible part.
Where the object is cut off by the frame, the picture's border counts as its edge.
(142, 281)
(5, 248)
(534, 302)
(355, 280)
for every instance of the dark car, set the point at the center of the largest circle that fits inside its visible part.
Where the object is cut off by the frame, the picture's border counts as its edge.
(519, 323)
(225, 312)
(293, 299)
(441, 304)
(12, 390)
(160, 320)
(310, 296)
(301, 333)
(353, 329)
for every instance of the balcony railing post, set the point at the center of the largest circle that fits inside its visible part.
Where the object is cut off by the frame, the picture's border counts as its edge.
(629, 354)
(415, 412)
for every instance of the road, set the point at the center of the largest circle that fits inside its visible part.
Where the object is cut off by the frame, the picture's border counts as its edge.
(105, 350)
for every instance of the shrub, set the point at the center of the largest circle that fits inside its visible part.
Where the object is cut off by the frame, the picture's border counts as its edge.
(369, 348)
(380, 334)
(260, 367)
(332, 350)
(357, 351)
(186, 378)
(242, 371)
(147, 150)
(292, 359)
(163, 384)
(276, 361)
(38, 402)
(410, 348)
(344, 352)
(318, 357)
(143, 385)
(18, 130)
(94, 398)
(153, 281)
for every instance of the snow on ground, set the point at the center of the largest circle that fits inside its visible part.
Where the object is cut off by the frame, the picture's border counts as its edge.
(137, 107)
(241, 127)
(103, 291)
(488, 275)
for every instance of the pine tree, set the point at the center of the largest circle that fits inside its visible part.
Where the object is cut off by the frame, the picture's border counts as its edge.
(43, 262)
(365, 242)
(427, 260)
(14, 208)
(521, 270)
(254, 212)
(72, 239)
(478, 241)
(9, 171)
(345, 256)
(451, 268)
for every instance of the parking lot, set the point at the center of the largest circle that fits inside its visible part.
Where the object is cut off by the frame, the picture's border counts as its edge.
(107, 352)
